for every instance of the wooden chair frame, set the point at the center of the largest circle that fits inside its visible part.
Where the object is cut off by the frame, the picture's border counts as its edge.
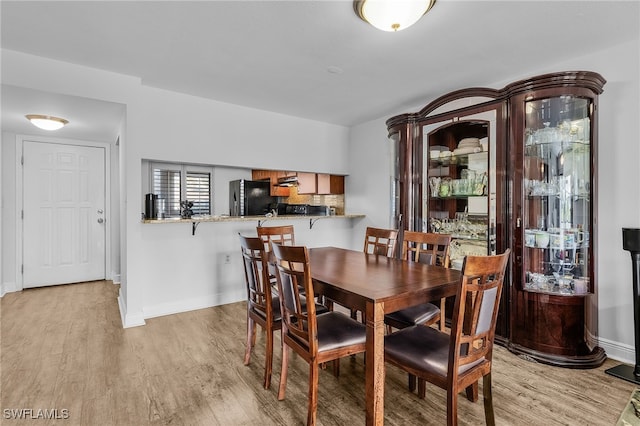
(429, 248)
(282, 234)
(300, 322)
(432, 249)
(470, 343)
(260, 303)
(380, 241)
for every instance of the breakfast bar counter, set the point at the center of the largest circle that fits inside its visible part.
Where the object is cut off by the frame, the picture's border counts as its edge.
(196, 220)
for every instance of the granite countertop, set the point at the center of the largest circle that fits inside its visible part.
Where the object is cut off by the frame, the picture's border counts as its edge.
(225, 218)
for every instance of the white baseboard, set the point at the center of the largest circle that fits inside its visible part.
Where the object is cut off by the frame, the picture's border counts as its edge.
(129, 320)
(115, 278)
(618, 351)
(193, 304)
(7, 287)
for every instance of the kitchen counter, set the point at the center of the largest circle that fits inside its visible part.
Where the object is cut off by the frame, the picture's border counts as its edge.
(196, 220)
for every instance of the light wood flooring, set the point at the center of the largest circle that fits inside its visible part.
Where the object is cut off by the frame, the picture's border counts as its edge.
(64, 348)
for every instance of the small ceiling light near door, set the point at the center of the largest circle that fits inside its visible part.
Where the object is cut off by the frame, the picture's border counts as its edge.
(392, 15)
(46, 122)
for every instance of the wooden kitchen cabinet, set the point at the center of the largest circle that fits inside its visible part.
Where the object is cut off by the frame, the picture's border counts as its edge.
(273, 175)
(329, 184)
(306, 183)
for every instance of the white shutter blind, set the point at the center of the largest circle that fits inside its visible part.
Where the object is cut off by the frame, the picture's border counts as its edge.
(166, 185)
(199, 191)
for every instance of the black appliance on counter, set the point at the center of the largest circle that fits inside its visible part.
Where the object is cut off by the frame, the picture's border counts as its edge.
(250, 197)
(299, 209)
(154, 207)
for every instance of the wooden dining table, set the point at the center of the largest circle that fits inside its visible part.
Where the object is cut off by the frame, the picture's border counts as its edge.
(376, 285)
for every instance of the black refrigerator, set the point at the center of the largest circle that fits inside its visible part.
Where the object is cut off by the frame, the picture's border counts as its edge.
(250, 197)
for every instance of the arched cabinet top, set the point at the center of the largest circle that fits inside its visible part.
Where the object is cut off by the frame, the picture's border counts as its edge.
(585, 79)
(479, 95)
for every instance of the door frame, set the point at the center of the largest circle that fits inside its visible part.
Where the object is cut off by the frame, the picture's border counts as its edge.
(20, 140)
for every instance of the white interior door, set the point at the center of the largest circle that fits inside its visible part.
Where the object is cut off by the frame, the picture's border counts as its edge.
(63, 213)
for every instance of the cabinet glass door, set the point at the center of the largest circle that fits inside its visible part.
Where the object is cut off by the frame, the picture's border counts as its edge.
(459, 188)
(557, 191)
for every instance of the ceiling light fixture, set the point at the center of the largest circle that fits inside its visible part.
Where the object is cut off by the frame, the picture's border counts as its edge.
(46, 122)
(392, 15)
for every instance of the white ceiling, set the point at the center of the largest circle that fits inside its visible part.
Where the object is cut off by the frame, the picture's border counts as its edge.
(90, 119)
(276, 55)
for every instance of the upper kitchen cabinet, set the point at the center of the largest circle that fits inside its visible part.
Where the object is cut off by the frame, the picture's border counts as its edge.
(513, 168)
(306, 183)
(273, 176)
(330, 184)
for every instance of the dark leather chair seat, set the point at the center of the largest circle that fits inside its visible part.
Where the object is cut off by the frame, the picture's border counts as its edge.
(407, 347)
(419, 314)
(336, 330)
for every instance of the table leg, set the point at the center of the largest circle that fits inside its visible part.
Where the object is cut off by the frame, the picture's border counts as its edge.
(374, 379)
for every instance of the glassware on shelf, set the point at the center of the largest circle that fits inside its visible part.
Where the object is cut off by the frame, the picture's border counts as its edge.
(445, 187)
(434, 184)
(556, 176)
(480, 184)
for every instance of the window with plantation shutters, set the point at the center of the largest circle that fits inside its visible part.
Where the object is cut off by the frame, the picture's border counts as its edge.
(173, 183)
(198, 191)
(166, 185)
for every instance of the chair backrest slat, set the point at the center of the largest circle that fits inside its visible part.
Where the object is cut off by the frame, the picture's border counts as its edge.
(282, 235)
(425, 247)
(380, 241)
(256, 274)
(476, 310)
(295, 287)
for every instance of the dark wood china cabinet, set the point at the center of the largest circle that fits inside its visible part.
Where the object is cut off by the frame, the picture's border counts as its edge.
(513, 168)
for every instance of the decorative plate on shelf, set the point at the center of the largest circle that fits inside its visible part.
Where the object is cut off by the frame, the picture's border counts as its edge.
(469, 142)
(470, 150)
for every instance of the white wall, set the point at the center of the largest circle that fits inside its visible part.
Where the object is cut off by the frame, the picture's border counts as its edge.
(370, 178)
(618, 177)
(8, 213)
(164, 269)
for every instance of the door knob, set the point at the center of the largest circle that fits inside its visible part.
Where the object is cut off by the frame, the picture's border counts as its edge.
(100, 220)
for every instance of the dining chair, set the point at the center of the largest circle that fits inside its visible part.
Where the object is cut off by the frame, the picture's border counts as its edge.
(316, 338)
(280, 234)
(456, 361)
(380, 241)
(432, 249)
(263, 307)
(284, 235)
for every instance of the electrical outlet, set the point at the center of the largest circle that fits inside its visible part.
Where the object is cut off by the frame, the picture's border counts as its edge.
(227, 259)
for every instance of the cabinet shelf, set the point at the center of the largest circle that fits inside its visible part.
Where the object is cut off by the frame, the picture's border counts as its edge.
(469, 237)
(554, 292)
(454, 160)
(580, 196)
(558, 142)
(458, 197)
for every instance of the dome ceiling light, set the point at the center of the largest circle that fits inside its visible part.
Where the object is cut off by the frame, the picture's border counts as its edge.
(46, 122)
(392, 15)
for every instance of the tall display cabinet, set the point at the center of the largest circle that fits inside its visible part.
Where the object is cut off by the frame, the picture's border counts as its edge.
(513, 168)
